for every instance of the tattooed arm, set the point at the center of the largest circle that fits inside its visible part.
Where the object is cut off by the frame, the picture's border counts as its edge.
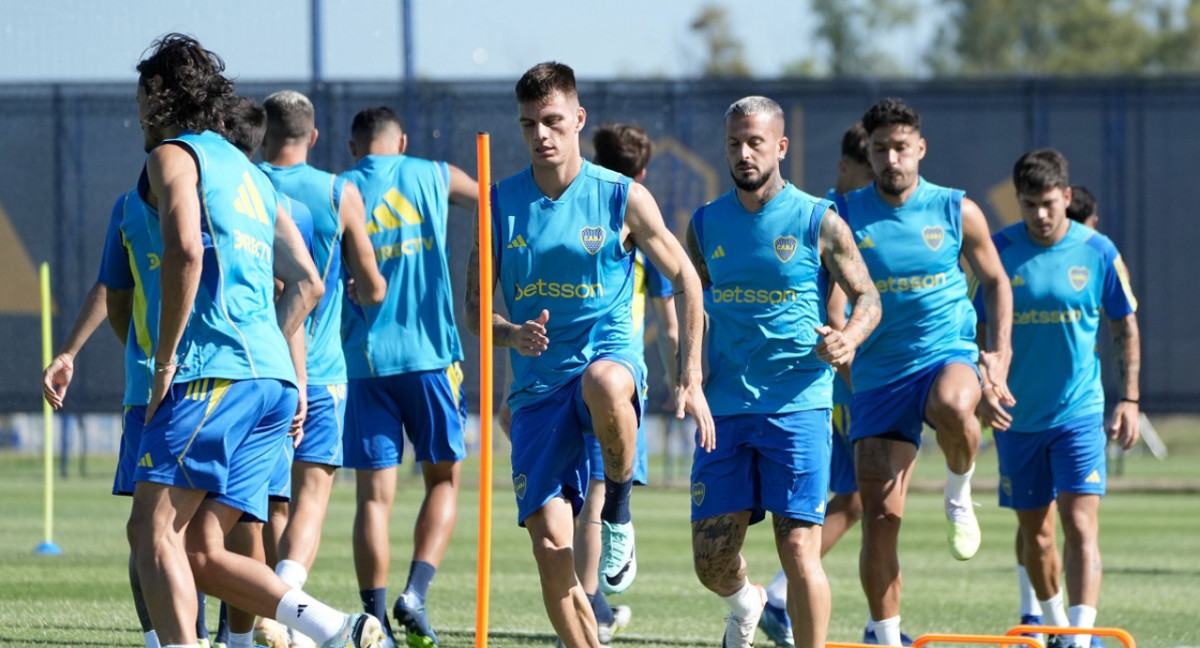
(840, 256)
(1128, 356)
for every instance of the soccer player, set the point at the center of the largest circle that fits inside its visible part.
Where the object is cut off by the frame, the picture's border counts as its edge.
(402, 358)
(766, 252)
(339, 232)
(844, 509)
(626, 149)
(919, 365)
(223, 393)
(566, 231)
(1083, 207)
(1051, 445)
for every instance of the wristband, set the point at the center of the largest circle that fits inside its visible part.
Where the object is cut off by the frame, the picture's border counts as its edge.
(1130, 400)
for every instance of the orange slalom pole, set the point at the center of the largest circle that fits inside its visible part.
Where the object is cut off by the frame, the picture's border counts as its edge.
(999, 640)
(1117, 633)
(484, 569)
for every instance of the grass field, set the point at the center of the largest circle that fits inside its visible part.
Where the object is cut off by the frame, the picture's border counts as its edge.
(1150, 540)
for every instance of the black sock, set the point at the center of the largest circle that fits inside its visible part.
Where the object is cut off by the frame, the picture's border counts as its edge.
(375, 603)
(600, 607)
(223, 624)
(616, 501)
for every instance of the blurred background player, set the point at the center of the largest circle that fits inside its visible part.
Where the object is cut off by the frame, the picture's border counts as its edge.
(763, 252)
(402, 360)
(564, 262)
(919, 365)
(1051, 445)
(626, 149)
(1083, 207)
(338, 232)
(844, 509)
(220, 355)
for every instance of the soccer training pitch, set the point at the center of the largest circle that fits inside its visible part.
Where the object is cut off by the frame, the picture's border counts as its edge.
(1150, 543)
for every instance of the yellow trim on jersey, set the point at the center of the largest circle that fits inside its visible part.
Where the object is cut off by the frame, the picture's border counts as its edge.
(1123, 275)
(639, 293)
(972, 288)
(214, 389)
(454, 374)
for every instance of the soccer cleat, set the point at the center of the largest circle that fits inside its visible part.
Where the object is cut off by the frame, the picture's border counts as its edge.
(618, 563)
(410, 613)
(870, 638)
(1060, 641)
(621, 616)
(777, 625)
(1033, 619)
(963, 533)
(359, 631)
(271, 634)
(739, 633)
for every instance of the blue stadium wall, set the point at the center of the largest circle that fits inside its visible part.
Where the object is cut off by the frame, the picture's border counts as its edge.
(67, 152)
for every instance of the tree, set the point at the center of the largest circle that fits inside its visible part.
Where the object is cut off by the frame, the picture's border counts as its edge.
(726, 56)
(852, 29)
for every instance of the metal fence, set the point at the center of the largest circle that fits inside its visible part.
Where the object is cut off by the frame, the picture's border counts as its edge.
(67, 151)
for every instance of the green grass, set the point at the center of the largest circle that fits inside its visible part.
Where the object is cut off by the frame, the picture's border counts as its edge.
(1151, 544)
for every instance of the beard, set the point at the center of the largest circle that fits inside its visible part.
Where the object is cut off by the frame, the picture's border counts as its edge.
(752, 185)
(893, 185)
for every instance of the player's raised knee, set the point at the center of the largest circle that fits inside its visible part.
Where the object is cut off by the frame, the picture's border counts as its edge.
(607, 381)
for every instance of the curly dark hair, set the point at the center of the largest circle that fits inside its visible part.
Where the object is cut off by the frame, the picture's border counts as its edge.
(889, 112)
(184, 85)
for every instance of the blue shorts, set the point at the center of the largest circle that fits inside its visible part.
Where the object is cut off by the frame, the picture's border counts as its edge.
(1036, 466)
(279, 489)
(897, 410)
(765, 462)
(216, 435)
(841, 459)
(548, 455)
(132, 423)
(426, 406)
(322, 442)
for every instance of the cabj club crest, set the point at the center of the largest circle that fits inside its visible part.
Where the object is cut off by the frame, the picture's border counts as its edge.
(698, 493)
(933, 235)
(593, 239)
(1079, 277)
(785, 247)
(519, 486)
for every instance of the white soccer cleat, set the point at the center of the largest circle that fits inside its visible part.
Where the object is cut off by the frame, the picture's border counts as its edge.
(739, 632)
(271, 633)
(621, 616)
(963, 534)
(358, 631)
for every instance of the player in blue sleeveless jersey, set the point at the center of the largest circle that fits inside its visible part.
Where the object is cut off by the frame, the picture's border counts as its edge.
(565, 234)
(1051, 444)
(766, 253)
(402, 358)
(222, 395)
(920, 363)
(339, 235)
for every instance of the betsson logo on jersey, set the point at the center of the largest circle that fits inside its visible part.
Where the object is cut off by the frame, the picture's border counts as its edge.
(1033, 316)
(744, 295)
(543, 288)
(913, 283)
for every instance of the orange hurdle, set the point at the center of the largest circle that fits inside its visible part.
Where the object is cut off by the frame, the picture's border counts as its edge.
(1002, 640)
(1116, 633)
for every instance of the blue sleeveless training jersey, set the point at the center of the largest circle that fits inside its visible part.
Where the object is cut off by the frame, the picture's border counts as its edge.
(321, 193)
(130, 262)
(767, 296)
(912, 254)
(564, 256)
(841, 391)
(233, 332)
(1058, 293)
(408, 204)
(648, 283)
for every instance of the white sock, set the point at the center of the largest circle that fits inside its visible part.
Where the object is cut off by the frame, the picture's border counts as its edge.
(292, 573)
(1082, 616)
(870, 620)
(302, 612)
(152, 639)
(1029, 602)
(745, 602)
(777, 591)
(887, 632)
(241, 639)
(958, 487)
(1053, 613)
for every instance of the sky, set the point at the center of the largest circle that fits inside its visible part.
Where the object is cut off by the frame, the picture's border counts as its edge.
(93, 40)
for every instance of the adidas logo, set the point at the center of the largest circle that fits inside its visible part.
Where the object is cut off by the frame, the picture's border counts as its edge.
(300, 609)
(866, 243)
(718, 253)
(145, 461)
(518, 242)
(821, 508)
(1017, 280)
(1093, 478)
